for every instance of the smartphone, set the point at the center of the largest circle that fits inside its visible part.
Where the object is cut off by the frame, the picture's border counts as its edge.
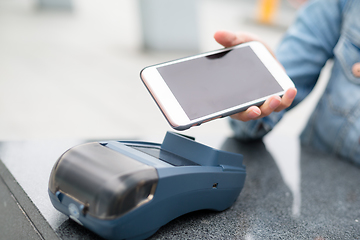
(207, 86)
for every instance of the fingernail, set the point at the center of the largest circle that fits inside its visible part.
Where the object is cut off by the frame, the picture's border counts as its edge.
(255, 113)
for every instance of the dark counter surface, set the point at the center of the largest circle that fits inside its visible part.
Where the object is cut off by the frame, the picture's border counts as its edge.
(290, 192)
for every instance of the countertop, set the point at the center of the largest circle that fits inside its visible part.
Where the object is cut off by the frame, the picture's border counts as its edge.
(290, 192)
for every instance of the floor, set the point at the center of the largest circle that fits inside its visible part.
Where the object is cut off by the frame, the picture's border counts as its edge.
(74, 72)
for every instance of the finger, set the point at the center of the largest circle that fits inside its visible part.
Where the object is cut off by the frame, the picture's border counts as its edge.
(269, 106)
(228, 39)
(252, 112)
(287, 99)
(225, 38)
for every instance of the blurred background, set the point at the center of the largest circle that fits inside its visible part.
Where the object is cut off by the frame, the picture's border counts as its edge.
(70, 68)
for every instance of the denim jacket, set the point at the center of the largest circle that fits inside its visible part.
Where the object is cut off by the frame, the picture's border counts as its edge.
(324, 29)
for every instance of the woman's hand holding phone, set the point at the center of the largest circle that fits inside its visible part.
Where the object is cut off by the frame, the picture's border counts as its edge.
(226, 82)
(274, 103)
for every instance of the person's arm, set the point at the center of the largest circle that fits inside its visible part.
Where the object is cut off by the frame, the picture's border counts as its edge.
(303, 52)
(309, 43)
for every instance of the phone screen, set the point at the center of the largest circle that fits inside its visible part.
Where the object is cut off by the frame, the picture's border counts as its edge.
(219, 81)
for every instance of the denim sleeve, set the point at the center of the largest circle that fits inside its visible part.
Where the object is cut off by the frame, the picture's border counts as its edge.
(303, 52)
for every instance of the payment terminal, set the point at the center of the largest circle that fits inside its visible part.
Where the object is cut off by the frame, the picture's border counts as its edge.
(129, 189)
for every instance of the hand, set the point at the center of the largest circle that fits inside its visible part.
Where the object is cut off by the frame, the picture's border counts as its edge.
(274, 103)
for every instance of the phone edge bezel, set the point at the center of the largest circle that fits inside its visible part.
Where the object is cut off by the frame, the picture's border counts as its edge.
(173, 116)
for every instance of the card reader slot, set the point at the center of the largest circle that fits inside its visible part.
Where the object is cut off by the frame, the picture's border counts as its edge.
(163, 155)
